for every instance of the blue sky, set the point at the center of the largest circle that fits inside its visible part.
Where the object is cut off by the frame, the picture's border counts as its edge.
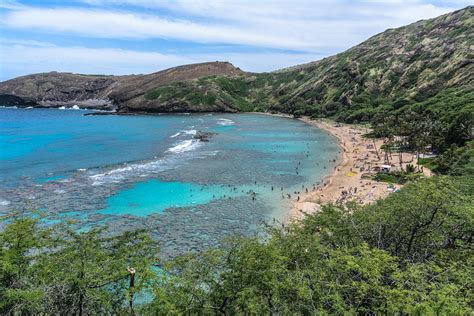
(143, 36)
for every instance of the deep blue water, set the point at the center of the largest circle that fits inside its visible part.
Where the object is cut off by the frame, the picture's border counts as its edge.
(135, 171)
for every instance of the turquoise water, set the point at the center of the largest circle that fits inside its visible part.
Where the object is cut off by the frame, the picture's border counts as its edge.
(156, 196)
(136, 171)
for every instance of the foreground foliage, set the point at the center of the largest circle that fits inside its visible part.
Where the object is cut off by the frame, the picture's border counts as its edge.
(60, 271)
(409, 253)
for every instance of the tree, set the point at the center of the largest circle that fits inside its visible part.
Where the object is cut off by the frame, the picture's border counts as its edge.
(421, 219)
(405, 254)
(59, 270)
(20, 242)
(88, 271)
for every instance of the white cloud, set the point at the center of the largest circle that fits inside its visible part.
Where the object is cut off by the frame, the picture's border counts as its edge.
(264, 11)
(302, 25)
(101, 23)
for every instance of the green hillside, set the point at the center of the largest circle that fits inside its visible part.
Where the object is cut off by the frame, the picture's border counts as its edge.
(427, 64)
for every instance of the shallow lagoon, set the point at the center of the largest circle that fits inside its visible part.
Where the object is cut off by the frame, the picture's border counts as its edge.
(135, 171)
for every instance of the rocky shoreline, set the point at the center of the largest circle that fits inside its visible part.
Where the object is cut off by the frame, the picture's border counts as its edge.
(121, 93)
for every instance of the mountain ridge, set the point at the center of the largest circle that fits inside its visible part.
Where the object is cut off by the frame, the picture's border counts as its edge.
(394, 69)
(106, 92)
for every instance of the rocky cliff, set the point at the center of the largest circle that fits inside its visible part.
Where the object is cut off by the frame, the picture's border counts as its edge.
(58, 89)
(124, 93)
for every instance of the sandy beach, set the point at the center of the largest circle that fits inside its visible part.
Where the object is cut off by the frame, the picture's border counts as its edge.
(349, 181)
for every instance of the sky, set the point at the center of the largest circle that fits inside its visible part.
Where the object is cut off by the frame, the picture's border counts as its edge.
(143, 36)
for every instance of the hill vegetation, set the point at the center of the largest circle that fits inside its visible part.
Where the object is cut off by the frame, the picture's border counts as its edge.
(410, 253)
(427, 65)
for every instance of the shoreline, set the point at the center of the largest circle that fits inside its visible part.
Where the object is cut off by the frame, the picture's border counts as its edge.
(346, 183)
(311, 202)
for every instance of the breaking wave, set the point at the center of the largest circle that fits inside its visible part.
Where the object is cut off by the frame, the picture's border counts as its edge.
(74, 107)
(185, 145)
(225, 122)
(189, 132)
(184, 132)
(118, 174)
(143, 169)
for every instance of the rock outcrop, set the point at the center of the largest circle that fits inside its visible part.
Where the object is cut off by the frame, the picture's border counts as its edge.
(123, 93)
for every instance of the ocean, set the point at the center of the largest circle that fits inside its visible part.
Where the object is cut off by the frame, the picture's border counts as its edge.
(130, 171)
